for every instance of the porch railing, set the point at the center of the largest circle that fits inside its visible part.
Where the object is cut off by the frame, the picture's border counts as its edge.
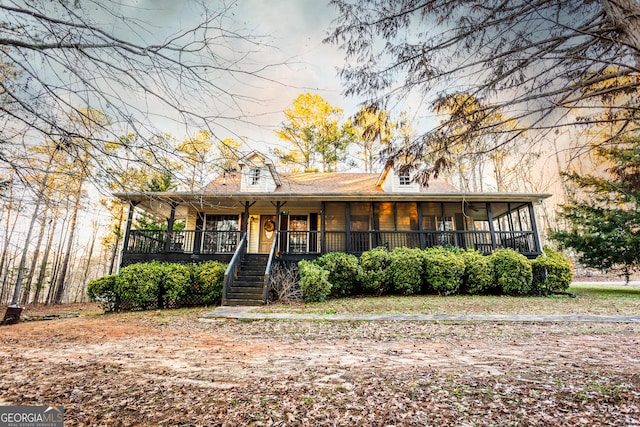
(186, 241)
(267, 272)
(318, 242)
(299, 242)
(231, 273)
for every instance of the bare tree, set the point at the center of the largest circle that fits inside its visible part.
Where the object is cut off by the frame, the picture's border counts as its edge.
(530, 59)
(60, 56)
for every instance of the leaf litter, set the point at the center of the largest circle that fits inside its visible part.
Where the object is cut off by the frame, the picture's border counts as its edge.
(157, 369)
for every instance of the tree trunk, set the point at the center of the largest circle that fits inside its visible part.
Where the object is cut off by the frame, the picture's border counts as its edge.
(34, 261)
(43, 265)
(85, 276)
(62, 276)
(25, 249)
(57, 259)
(114, 252)
(625, 16)
(8, 236)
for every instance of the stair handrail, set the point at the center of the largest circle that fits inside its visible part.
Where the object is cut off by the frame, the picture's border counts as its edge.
(267, 270)
(232, 269)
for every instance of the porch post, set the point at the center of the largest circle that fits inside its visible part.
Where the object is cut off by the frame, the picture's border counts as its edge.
(374, 238)
(347, 214)
(510, 219)
(491, 229)
(278, 216)
(534, 228)
(170, 221)
(323, 224)
(127, 232)
(197, 239)
(282, 244)
(423, 243)
(245, 225)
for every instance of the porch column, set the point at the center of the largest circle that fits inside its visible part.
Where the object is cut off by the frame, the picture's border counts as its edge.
(492, 232)
(278, 216)
(170, 221)
(347, 243)
(197, 238)
(281, 244)
(423, 242)
(323, 224)
(245, 225)
(127, 231)
(534, 228)
(510, 219)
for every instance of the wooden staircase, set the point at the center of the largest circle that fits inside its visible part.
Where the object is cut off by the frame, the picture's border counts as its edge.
(248, 288)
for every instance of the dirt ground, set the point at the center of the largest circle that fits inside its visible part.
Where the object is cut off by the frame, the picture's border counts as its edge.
(170, 368)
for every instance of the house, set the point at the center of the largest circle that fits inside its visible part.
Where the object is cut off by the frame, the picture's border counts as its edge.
(256, 216)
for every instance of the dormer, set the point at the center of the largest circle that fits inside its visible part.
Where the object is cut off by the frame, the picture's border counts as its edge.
(258, 174)
(392, 180)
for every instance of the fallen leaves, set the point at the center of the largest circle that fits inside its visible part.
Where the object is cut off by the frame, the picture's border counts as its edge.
(146, 369)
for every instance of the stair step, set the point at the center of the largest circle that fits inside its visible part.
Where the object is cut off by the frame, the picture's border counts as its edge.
(248, 287)
(243, 280)
(244, 302)
(255, 271)
(245, 295)
(256, 292)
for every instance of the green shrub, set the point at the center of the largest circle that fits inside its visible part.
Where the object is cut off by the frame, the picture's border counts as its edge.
(407, 267)
(513, 272)
(443, 271)
(176, 283)
(374, 275)
(102, 290)
(208, 281)
(551, 273)
(314, 281)
(343, 272)
(140, 285)
(478, 277)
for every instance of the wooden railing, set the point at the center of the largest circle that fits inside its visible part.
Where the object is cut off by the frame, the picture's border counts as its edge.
(185, 241)
(232, 269)
(267, 271)
(318, 242)
(300, 242)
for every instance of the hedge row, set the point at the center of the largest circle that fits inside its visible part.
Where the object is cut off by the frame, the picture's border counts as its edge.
(439, 270)
(152, 285)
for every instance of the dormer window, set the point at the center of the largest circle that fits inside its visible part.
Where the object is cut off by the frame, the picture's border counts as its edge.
(404, 178)
(254, 176)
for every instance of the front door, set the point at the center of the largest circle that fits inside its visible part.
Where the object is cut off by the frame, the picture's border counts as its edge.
(267, 233)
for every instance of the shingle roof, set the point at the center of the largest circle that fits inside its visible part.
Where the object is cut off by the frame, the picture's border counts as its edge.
(326, 183)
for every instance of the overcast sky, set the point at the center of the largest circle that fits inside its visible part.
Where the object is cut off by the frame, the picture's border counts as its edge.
(297, 28)
(292, 32)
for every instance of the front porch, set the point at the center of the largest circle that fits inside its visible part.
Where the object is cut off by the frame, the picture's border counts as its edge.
(201, 245)
(290, 230)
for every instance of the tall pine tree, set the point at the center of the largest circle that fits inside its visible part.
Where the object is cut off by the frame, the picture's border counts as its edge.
(604, 222)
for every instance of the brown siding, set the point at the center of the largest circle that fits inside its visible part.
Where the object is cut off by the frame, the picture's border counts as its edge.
(335, 216)
(385, 215)
(407, 216)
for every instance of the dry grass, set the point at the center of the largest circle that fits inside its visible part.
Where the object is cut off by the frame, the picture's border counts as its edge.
(594, 299)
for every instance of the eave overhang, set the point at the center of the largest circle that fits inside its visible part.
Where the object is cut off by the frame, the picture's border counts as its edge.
(160, 202)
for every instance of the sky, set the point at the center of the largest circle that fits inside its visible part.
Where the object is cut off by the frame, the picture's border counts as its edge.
(291, 33)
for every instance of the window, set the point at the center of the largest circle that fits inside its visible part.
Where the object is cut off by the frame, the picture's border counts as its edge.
(298, 232)
(254, 176)
(404, 178)
(220, 234)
